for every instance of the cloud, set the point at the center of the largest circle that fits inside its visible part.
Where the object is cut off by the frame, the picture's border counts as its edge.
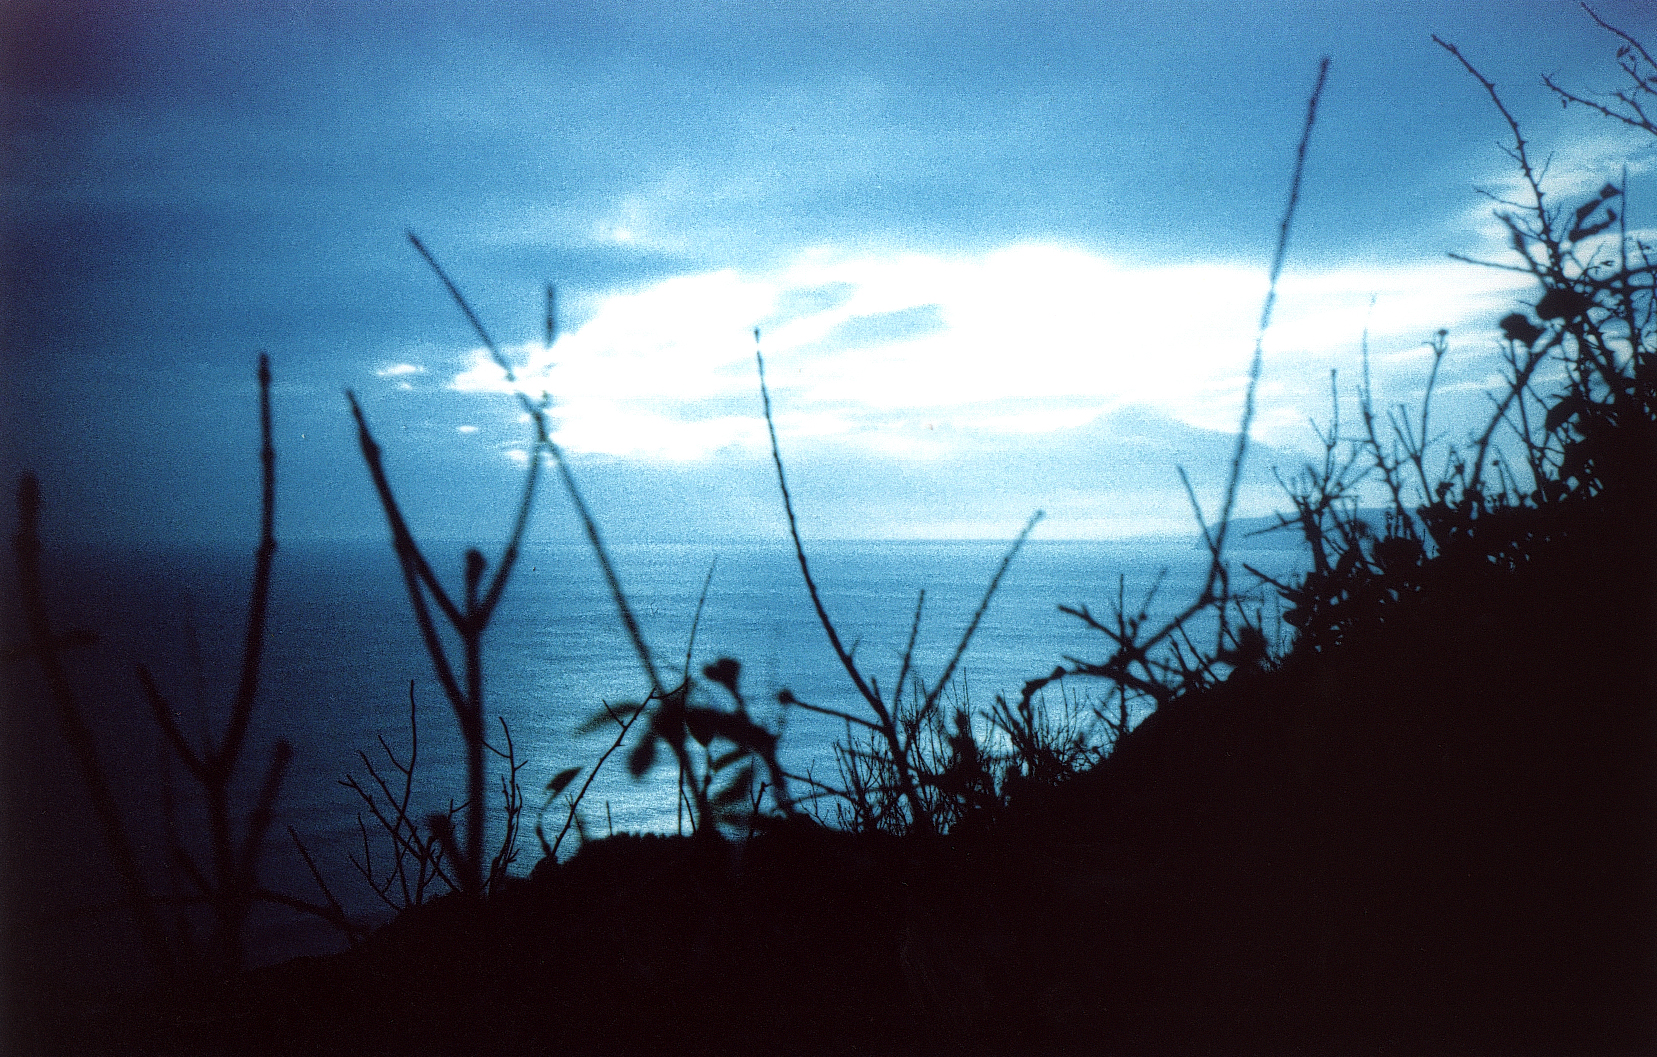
(399, 370)
(909, 353)
(1114, 476)
(1570, 175)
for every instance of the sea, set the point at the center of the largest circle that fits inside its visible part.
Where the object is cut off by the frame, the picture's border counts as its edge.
(343, 660)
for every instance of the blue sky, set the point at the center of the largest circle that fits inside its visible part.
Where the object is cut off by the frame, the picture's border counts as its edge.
(1004, 255)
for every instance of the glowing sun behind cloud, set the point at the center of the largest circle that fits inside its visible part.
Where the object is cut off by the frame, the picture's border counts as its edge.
(904, 352)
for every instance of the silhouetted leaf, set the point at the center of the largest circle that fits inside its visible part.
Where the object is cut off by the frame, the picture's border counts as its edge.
(615, 715)
(1573, 463)
(642, 758)
(1348, 562)
(1563, 303)
(738, 791)
(1518, 327)
(1580, 233)
(701, 722)
(725, 671)
(724, 760)
(1397, 552)
(1566, 409)
(562, 779)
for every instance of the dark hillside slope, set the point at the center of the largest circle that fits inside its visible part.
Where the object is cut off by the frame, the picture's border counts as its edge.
(1443, 827)
(1433, 837)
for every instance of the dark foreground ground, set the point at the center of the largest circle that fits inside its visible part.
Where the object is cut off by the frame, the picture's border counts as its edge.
(1436, 836)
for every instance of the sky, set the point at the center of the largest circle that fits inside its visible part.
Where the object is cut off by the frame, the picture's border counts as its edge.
(1003, 256)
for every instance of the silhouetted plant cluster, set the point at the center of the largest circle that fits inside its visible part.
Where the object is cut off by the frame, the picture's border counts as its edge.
(416, 859)
(733, 747)
(914, 768)
(1571, 441)
(727, 759)
(469, 620)
(970, 761)
(894, 776)
(228, 885)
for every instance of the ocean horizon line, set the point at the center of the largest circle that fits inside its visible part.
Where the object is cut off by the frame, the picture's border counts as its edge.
(1252, 526)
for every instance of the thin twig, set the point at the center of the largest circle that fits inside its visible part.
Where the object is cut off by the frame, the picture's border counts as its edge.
(888, 728)
(575, 802)
(983, 607)
(335, 911)
(253, 645)
(1278, 257)
(73, 724)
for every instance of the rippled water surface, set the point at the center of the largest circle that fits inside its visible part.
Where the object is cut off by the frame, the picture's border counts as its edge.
(343, 648)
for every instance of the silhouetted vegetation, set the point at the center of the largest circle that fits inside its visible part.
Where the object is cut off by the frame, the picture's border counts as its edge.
(1428, 825)
(229, 887)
